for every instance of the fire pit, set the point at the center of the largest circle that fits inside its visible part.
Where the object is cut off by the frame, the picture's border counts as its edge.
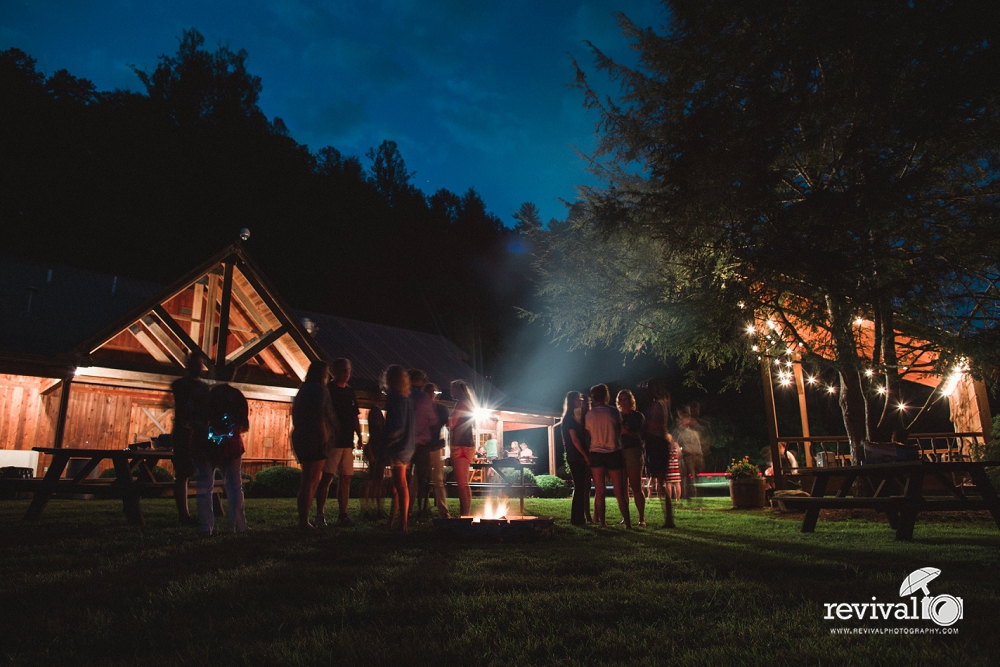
(493, 524)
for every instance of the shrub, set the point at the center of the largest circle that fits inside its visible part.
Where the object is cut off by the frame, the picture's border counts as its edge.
(160, 474)
(550, 486)
(277, 482)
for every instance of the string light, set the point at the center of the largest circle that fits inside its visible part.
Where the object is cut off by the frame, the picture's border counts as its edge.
(859, 321)
(831, 389)
(901, 406)
(881, 390)
(755, 348)
(751, 329)
(869, 372)
(811, 379)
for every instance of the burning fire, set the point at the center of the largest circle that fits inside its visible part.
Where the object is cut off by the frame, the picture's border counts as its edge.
(491, 512)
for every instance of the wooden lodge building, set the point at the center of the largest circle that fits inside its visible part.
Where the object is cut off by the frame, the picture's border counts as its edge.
(86, 359)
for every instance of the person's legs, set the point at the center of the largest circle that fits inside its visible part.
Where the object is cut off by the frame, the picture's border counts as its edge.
(204, 485)
(422, 459)
(400, 496)
(183, 471)
(437, 477)
(618, 483)
(322, 492)
(665, 502)
(599, 490)
(633, 472)
(233, 483)
(461, 464)
(581, 493)
(311, 473)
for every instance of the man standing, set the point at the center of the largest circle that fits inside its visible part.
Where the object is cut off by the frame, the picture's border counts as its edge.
(340, 460)
(437, 450)
(190, 410)
(425, 418)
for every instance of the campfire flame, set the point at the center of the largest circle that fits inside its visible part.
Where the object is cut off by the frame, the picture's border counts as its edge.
(491, 512)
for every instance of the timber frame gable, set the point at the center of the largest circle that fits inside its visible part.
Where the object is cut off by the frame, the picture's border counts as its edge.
(224, 308)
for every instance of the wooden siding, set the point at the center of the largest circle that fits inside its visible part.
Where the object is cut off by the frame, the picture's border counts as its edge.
(23, 420)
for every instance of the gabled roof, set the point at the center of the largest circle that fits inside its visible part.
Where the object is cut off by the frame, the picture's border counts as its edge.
(373, 347)
(155, 329)
(48, 309)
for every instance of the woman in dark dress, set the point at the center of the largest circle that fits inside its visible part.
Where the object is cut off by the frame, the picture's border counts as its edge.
(632, 426)
(658, 444)
(577, 457)
(314, 431)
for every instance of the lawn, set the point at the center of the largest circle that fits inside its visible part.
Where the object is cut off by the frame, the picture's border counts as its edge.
(81, 587)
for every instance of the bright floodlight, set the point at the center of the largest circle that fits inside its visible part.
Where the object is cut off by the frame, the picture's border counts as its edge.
(481, 413)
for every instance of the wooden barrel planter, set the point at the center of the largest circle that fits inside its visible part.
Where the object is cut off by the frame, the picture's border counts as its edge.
(748, 492)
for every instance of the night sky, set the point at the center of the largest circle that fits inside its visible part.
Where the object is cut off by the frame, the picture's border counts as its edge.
(474, 93)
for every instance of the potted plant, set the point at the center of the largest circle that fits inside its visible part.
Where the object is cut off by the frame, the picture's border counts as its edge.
(747, 488)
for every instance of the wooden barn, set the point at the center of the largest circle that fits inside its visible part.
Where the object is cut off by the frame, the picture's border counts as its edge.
(86, 359)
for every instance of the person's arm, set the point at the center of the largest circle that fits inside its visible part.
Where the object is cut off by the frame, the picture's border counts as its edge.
(579, 445)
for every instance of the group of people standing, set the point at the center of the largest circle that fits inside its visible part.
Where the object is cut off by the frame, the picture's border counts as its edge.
(602, 442)
(407, 439)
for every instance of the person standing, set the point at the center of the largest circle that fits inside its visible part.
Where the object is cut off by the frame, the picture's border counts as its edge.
(424, 419)
(399, 439)
(577, 458)
(690, 455)
(190, 408)
(603, 423)
(658, 446)
(314, 430)
(340, 460)
(222, 450)
(378, 460)
(463, 450)
(437, 451)
(632, 428)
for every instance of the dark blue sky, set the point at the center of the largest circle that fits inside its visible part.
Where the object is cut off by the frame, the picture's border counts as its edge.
(474, 92)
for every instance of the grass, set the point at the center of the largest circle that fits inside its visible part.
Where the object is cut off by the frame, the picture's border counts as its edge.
(726, 588)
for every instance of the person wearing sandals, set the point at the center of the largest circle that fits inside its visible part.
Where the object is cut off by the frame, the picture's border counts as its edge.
(603, 423)
(314, 430)
(399, 439)
(632, 425)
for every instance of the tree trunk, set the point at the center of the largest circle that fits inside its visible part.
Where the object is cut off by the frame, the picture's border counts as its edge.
(852, 393)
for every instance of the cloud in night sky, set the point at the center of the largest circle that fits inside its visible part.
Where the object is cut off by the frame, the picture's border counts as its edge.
(474, 93)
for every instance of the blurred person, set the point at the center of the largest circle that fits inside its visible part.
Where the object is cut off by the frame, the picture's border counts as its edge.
(633, 424)
(190, 408)
(658, 443)
(492, 449)
(603, 424)
(525, 454)
(437, 451)
(425, 418)
(399, 438)
(314, 431)
(463, 451)
(340, 459)
(703, 428)
(690, 455)
(377, 457)
(577, 457)
(222, 450)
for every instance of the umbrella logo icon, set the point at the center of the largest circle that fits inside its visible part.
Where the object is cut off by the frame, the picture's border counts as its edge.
(943, 609)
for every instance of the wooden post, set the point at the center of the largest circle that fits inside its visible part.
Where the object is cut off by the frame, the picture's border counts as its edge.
(211, 294)
(772, 419)
(222, 373)
(552, 449)
(800, 388)
(57, 441)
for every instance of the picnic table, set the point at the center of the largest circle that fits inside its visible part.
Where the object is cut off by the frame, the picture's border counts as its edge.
(899, 491)
(133, 478)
